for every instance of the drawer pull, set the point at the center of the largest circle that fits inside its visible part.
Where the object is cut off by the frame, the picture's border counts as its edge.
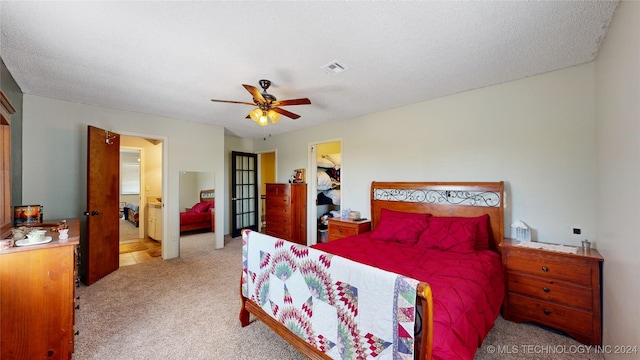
(545, 289)
(546, 312)
(545, 269)
(340, 230)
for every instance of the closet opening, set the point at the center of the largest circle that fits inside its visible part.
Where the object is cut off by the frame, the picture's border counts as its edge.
(325, 176)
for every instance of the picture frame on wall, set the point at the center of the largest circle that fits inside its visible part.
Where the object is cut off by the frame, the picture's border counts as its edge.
(26, 215)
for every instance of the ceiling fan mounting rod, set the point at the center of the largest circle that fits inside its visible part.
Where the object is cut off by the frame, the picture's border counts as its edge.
(264, 84)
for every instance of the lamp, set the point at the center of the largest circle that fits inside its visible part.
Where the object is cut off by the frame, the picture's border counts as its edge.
(262, 117)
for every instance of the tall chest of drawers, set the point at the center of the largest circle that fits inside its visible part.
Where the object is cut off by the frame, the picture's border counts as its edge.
(286, 212)
(556, 289)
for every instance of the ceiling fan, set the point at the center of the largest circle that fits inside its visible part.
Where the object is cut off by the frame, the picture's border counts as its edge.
(268, 107)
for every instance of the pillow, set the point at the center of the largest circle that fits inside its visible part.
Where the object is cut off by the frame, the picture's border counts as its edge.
(449, 235)
(401, 227)
(482, 238)
(202, 206)
(329, 161)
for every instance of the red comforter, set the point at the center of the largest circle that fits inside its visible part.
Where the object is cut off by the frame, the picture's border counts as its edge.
(191, 217)
(467, 288)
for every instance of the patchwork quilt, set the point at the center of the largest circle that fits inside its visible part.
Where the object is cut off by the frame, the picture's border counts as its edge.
(346, 309)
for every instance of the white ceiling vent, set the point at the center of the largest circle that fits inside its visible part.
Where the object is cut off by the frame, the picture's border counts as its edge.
(334, 68)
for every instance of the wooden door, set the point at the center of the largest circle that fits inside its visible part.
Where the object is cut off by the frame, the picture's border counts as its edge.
(244, 192)
(6, 213)
(101, 247)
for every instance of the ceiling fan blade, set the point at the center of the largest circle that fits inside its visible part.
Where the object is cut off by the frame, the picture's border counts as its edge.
(233, 102)
(286, 113)
(303, 101)
(257, 96)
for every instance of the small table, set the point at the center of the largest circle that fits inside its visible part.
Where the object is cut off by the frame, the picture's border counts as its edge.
(340, 228)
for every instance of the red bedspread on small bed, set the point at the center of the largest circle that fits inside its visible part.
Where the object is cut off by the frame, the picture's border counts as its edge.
(467, 288)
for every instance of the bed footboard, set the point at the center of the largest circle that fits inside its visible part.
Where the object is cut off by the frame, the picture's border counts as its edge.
(423, 344)
(328, 306)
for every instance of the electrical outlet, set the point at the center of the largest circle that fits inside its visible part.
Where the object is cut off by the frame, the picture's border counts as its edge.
(577, 231)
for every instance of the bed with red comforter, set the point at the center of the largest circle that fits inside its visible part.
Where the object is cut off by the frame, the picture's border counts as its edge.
(467, 288)
(201, 216)
(445, 235)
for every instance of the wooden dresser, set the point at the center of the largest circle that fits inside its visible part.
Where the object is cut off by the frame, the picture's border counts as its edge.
(339, 228)
(556, 289)
(37, 298)
(286, 212)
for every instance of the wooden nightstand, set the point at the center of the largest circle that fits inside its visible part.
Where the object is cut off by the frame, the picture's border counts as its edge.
(556, 289)
(339, 228)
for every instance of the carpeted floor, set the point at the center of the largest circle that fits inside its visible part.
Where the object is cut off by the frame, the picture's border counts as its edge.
(128, 231)
(187, 308)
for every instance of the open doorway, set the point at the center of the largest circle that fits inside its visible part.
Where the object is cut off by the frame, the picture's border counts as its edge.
(140, 200)
(267, 174)
(325, 162)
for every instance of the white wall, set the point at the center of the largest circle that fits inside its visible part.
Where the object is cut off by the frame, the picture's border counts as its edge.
(536, 134)
(55, 157)
(618, 179)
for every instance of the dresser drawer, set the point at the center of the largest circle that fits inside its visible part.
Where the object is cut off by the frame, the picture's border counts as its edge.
(554, 315)
(551, 290)
(278, 220)
(278, 210)
(279, 231)
(278, 201)
(549, 266)
(277, 190)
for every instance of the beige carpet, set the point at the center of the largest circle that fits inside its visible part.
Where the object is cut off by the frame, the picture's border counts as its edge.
(128, 231)
(187, 308)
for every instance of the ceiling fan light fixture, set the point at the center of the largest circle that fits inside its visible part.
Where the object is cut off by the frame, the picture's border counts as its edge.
(255, 114)
(273, 116)
(263, 120)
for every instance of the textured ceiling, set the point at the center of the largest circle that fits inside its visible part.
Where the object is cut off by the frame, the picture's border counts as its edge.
(170, 58)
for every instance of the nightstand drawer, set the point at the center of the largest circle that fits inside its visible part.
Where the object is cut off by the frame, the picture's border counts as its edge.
(339, 228)
(549, 266)
(551, 290)
(554, 315)
(342, 231)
